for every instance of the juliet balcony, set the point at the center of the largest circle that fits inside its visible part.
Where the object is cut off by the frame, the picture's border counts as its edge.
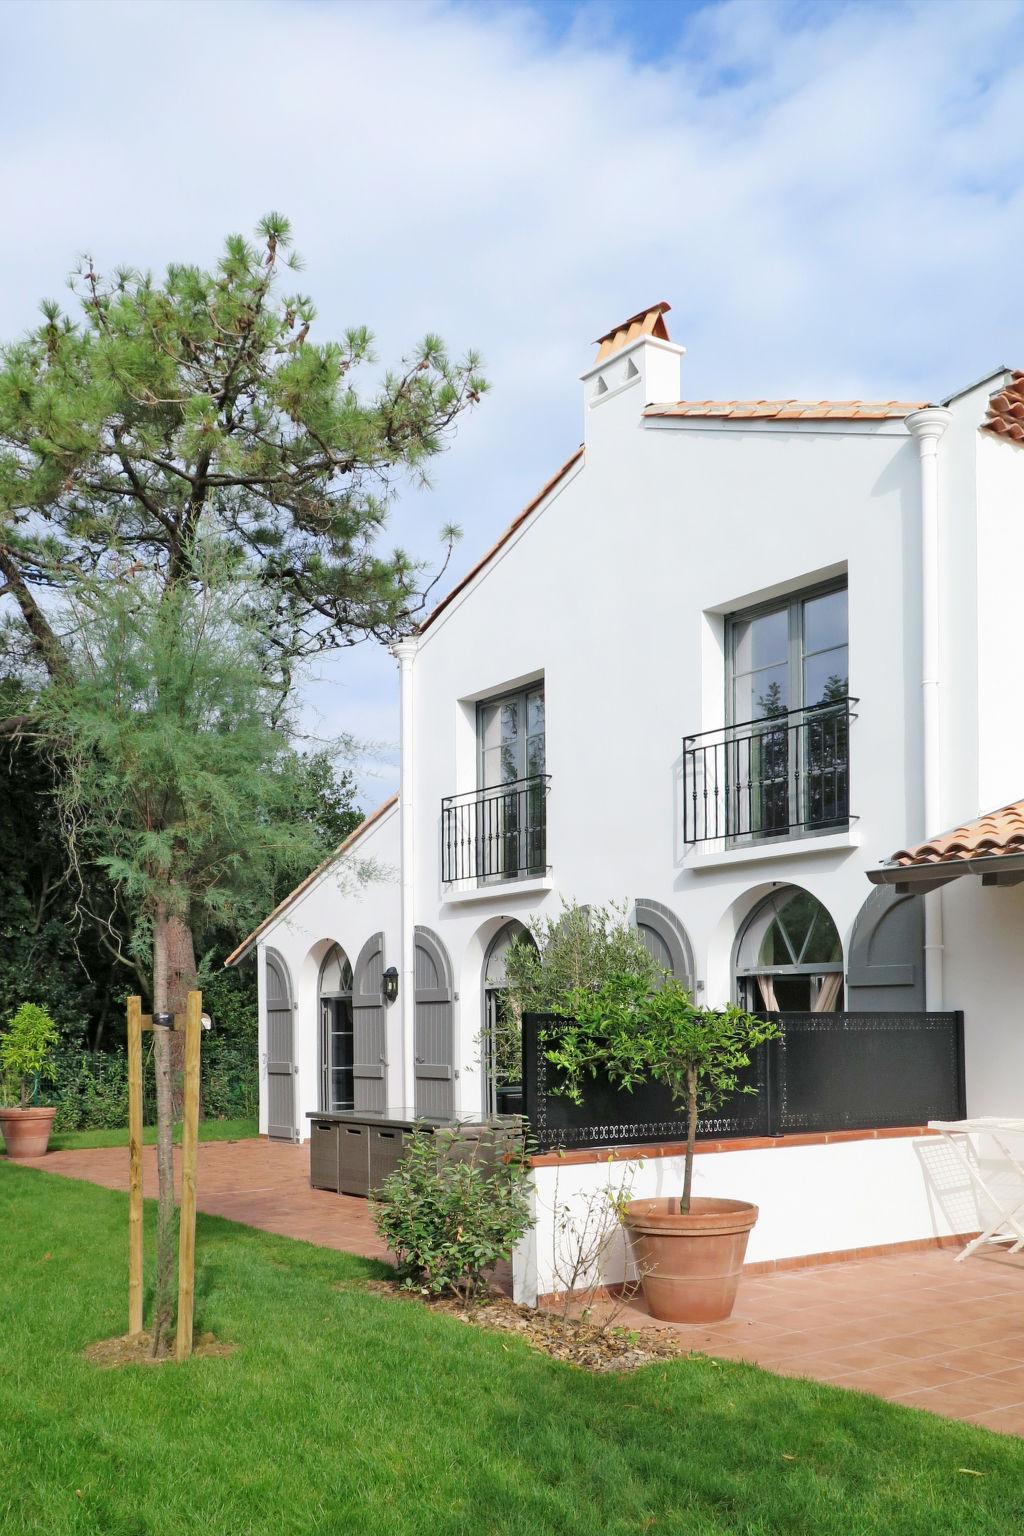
(497, 834)
(783, 775)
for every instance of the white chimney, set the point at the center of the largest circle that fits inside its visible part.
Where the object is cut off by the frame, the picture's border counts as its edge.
(635, 357)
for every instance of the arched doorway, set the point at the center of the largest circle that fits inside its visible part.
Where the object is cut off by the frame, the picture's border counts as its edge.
(503, 1028)
(281, 1066)
(789, 958)
(337, 1086)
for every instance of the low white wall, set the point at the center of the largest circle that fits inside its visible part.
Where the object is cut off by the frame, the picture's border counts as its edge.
(812, 1199)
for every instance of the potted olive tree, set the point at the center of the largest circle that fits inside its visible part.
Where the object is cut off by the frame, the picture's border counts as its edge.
(688, 1250)
(26, 1054)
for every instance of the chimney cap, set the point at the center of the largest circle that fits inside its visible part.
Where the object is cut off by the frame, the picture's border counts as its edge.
(646, 322)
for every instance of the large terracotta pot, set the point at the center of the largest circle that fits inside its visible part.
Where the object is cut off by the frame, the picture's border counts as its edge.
(690, 1264)
(26, 1131)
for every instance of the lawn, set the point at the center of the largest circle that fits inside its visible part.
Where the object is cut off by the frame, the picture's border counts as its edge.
(209, 1130)
(345, 1411)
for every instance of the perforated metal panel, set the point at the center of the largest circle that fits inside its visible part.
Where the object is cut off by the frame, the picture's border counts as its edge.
(433, 1044)
(369, 1068)
(280, 1051)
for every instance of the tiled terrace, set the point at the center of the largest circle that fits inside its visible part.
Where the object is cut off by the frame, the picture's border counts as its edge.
(917, 1328)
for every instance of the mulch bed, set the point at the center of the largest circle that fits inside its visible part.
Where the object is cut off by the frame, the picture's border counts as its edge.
(571, 1339)
(134, 1349)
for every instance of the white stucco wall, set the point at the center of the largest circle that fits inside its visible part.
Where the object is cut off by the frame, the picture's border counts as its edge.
(811, 1199)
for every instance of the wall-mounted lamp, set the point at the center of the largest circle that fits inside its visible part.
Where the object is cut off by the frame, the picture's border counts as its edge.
(390, 980)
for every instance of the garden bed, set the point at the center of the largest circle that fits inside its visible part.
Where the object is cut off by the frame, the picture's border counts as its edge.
(592, 1346)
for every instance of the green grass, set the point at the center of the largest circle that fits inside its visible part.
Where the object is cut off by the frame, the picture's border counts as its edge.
(209, 1130)
(342, 1411)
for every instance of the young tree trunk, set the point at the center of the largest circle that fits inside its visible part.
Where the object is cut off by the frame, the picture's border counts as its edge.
(172, 979)
(691, 1136)
(181, 980)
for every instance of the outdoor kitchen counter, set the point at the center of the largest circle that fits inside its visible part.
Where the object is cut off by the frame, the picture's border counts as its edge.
(352, 1151)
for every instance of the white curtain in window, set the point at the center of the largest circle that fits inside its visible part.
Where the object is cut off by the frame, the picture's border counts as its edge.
(767, 987)
(827, 992)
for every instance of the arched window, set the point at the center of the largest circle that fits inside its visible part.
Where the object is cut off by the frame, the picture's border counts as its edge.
(790, 958)
(337, 1084)
(503, 1028)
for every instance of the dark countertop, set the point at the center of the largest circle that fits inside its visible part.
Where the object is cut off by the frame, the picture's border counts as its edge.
(403, 1117)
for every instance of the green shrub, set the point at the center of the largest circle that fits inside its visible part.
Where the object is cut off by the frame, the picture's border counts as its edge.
(26, 1053)
(448, 1221)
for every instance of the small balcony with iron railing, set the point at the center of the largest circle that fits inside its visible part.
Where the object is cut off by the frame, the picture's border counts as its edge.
(496, 834)
(784, 775)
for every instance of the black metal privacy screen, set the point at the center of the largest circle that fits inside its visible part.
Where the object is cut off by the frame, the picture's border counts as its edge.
(827, 1072)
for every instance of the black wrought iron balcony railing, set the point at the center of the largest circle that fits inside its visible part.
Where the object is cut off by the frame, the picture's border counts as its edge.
(770, 777)
(495, 834)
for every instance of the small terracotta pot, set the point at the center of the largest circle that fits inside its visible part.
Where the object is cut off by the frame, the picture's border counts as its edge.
(689, 1263)
(26, 1131)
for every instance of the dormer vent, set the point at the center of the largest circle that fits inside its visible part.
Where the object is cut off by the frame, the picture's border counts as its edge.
(632, 371)
(600, 387)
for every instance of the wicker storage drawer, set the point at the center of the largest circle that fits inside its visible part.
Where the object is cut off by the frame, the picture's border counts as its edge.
(386, 1148)
(354, 1159)
(324, 1170)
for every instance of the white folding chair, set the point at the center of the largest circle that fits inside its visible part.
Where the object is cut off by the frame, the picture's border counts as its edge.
(1008, 1209)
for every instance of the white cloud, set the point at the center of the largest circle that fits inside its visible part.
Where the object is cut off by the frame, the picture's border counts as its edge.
(832, 197)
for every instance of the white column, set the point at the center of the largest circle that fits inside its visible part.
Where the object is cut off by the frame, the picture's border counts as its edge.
(927, 427)
(404, 652)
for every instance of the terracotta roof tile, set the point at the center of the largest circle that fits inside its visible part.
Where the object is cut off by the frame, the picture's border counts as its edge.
(790, 410)
(1005, 415)
(999, 832)
(646, 322)
(303, 885)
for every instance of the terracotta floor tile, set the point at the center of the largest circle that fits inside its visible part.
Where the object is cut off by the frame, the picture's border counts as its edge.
(1007, 1421)
(983, 1362)
(975, 1394)
(912, 1376)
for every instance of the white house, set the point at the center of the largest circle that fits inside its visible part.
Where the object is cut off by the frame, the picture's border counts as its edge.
(731, 657)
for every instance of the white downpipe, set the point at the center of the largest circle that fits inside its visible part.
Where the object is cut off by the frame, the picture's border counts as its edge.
(927, 427)
(404, 652)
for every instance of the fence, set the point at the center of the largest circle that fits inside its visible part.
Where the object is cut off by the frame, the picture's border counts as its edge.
(827, 1072)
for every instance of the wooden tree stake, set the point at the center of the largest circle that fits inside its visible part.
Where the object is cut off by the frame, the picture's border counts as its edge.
(134, 1165)
(189, 1156)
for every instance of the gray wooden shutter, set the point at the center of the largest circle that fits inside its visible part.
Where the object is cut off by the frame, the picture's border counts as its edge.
(666, 940)
(281, 1067)
(885, 972)
(369, 1044)
(433, 1069)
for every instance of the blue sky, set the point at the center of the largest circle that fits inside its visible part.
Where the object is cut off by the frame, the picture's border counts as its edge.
(831, 197)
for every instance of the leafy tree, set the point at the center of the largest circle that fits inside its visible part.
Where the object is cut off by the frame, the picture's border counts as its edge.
(178, 780)
(629, 1034)
(163, 417)
(582, 948)
(191, 495)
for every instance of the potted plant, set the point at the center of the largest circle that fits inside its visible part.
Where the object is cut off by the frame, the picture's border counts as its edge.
(688, 1250)
(26, 1053)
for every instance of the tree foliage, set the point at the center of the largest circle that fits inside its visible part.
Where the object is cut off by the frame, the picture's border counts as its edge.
(582, 948)
(628, 1034)
(157, 416)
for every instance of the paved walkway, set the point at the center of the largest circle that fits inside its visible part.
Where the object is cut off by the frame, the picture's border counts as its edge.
(263, 1183)
(916, 1328)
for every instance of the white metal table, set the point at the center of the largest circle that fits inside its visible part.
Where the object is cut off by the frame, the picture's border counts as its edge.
(1009, 1211)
